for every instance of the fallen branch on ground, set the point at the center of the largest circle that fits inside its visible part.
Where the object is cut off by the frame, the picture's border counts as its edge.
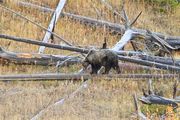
(77, 76)
(60, 101)
(83, 50)
(153, 98)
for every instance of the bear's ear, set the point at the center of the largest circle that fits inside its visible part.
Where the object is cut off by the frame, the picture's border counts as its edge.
(90, 53)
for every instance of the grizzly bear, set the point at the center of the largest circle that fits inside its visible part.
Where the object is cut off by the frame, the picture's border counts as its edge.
(101, 58)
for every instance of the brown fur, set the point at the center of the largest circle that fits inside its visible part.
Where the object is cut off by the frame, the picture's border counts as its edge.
(103, 57)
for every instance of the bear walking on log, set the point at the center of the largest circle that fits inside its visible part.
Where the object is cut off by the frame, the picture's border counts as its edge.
(101, 58)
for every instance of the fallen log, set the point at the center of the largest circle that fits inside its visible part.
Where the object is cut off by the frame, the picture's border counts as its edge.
(94, 22)
(77, 76)
(151, 64)
(115, 27)
(162, 60)
(7, 57)
(135, 67)
(155, 99)
(34, 59)
(83, 50)
(54, 20)
(36, 42)
(175, 43)
(63, 47)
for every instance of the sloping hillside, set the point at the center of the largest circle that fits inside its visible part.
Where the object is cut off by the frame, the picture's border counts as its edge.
(101, 98)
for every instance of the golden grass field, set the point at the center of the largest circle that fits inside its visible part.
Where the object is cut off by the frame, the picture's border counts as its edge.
(102, 99)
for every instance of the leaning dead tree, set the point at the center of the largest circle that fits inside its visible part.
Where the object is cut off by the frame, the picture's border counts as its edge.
(52, 24)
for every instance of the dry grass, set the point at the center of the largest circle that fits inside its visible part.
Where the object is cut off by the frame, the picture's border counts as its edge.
(102, 99)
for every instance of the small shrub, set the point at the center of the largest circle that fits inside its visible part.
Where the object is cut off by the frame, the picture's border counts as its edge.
(163, 5)
(159, 110)
(154, 109)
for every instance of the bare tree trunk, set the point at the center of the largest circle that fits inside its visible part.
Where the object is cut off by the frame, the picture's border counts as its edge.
(52, 24)
(124, 40)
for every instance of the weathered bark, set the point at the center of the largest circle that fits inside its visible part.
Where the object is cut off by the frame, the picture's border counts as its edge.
(151, 64)
(155, 99)
(162, 60)
(175, 43)
(52, 24)
(77, 76)
(134, 67)
(124, 40)
(34, 59)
